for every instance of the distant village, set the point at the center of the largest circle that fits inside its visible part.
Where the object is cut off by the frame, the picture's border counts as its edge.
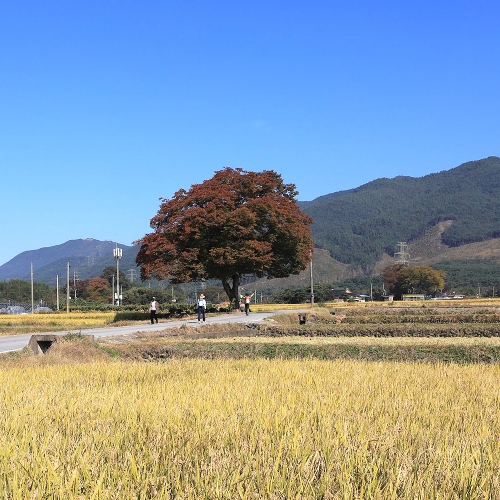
(343, 294)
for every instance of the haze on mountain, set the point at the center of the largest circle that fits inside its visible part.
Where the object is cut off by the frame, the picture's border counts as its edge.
(450, 220)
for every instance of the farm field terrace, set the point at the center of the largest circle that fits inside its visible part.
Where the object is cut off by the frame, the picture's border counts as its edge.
(404, 349)
(225, 428)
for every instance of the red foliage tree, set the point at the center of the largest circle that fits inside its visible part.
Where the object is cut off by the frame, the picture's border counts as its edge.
(237, 223)
(390, 275)
(98, 290)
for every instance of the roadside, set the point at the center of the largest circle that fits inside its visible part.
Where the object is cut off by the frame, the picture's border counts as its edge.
(456, 335)
(11, 343)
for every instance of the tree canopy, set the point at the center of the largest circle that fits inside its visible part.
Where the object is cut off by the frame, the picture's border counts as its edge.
(97, 290)
(109, 274)
(18, 291)
(400, 279)
(236, 223)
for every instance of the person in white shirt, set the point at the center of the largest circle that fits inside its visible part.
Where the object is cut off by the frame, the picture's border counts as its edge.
(154, 307)
(247, 299)
(202, 306)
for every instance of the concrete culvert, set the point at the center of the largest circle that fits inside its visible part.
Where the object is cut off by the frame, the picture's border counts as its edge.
(40, 344)
(302, 318)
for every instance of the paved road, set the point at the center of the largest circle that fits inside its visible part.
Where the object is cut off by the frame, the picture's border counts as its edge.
(17, 342)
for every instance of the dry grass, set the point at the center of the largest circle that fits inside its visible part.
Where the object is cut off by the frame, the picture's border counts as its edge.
(325, 341)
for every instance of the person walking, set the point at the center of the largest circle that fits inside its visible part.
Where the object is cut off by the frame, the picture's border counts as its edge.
(154, 307)
(202, 306)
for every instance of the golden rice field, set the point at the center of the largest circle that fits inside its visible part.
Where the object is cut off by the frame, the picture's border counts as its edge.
(226, 429)
(12, 324)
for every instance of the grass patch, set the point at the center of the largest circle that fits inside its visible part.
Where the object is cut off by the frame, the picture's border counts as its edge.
(79, 349)
(275, 349)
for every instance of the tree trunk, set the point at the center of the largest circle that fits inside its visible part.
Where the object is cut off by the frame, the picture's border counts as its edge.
(232, 292)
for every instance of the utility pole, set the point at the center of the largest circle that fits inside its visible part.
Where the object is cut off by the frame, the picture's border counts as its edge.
(57, 291)
(32, 298)
(117, 254)
(312, 286)
(74, 282)
(67, 288)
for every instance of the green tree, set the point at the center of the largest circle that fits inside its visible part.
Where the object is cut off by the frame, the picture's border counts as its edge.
(400, 279)
(143, 295)
(77, 288)
(109, 273)
(291, 296)
(237, 223)
(17, 290)
(423, 279)
(214, 294)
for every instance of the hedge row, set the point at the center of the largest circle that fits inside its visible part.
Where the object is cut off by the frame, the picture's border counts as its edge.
(175, 311)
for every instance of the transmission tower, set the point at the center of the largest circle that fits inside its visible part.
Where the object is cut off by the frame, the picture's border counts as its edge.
(132, 274)
(403, 256)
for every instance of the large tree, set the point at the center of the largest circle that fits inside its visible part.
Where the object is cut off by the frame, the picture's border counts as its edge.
(236, 223)
(400, 279)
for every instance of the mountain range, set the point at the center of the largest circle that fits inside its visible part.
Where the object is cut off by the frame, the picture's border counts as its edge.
(449, 219)
(87, 258)
(358, 227)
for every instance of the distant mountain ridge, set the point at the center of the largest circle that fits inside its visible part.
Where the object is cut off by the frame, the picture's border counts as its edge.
(357, 227)
(87, 257)
(448, 216)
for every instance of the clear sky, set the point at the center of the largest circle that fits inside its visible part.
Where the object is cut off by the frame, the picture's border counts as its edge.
(106, 106)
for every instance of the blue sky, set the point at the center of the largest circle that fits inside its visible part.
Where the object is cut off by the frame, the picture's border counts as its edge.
(107, 106)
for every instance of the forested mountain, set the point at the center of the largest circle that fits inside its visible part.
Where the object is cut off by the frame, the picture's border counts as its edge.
(359, 226)
(450, 220)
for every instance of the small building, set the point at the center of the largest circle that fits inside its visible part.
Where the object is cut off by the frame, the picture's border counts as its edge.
(413, 296)
(338, 292)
